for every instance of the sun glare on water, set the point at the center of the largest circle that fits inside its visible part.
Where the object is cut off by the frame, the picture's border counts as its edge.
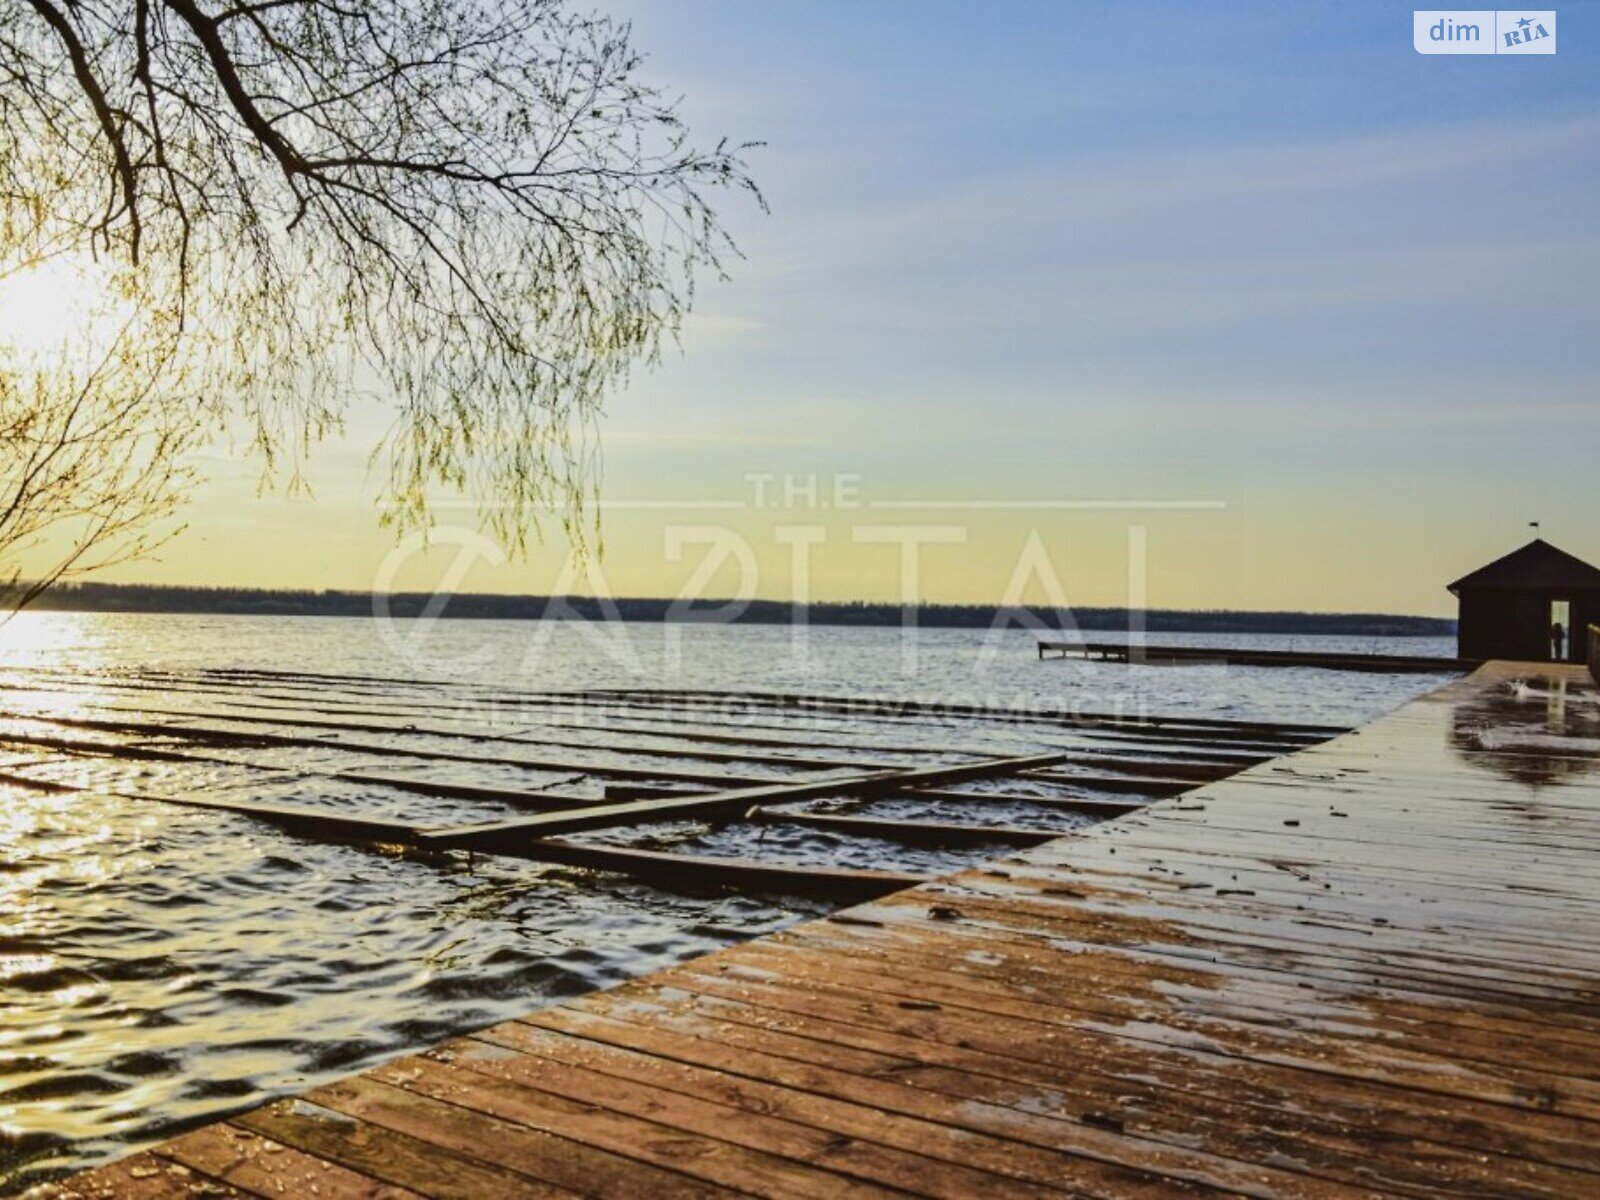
(38, 648)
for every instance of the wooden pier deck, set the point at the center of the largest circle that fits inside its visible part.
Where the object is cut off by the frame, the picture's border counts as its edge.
(1240, 656)
(1371, 967)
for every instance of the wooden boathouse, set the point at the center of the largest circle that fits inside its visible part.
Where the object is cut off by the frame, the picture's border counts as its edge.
(1369, 966)
(1509, 608)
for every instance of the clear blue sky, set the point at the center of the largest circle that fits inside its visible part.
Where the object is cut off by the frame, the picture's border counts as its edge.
(1264, 254)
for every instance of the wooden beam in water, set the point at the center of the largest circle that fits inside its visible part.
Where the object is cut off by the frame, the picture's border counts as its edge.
(538, 801)
(319, 826)
(289, 719)
(881, 706)
(702, 715)
(911, 833)
(226, 737)
(677, 872)
(602, 715)
(700, 872)
(498, 834)
(1115, 783)
(1080, 804)
(1105, 725)
(1168, 728)
(1149, 761)
(1163, 768)
(35, 785)
(533, 801)
(616, 792)
(104, 749)
(852, 705)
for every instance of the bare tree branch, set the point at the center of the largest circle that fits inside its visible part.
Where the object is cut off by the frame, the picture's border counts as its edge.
(473, 212)
(109, 124)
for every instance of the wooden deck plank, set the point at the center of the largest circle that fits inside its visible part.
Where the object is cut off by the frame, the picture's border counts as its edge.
(788, 1122)
(1284, 885)
(1227, 1017)
(522, 1091)
(264, 1167)
(1551, 903)
(1323, 1146)
(1303, 1049)
(1235, 928)
(1372, 967)
(1401, 926)
(142, 1177)
(394, 1157)
(1117, 984)
(1319, 985)
(461, 1129)
(1007, 1142)
(1264, 1093)
(1554, 1005)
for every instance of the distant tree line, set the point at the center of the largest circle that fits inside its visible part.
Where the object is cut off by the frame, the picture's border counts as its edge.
(108, 597)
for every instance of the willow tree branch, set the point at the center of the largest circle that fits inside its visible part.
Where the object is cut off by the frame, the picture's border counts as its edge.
(84, 72)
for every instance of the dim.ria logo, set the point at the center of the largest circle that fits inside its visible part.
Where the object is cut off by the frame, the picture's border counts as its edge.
(1484, 31)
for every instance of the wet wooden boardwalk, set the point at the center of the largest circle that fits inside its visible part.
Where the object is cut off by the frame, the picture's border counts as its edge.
(1372, 967)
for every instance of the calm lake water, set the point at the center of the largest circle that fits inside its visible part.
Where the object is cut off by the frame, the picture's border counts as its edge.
(160, 966)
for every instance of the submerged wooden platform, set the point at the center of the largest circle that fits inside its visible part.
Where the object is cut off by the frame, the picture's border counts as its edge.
(357, 752)
(1243, 657)
(1371, 967)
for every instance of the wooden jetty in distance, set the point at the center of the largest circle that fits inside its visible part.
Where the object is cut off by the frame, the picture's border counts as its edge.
(1369, 967)
(1126, 652)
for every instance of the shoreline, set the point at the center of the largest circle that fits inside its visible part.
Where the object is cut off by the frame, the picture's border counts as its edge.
(177, 600)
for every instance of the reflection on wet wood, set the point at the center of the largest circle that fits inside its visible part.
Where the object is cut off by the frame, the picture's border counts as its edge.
(1372, 967)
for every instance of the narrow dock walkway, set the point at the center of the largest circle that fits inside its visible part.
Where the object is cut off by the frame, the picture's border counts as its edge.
(1240, 656)
(1368, 968)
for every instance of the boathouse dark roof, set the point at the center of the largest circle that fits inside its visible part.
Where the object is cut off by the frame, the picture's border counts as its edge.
(1539, 566)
